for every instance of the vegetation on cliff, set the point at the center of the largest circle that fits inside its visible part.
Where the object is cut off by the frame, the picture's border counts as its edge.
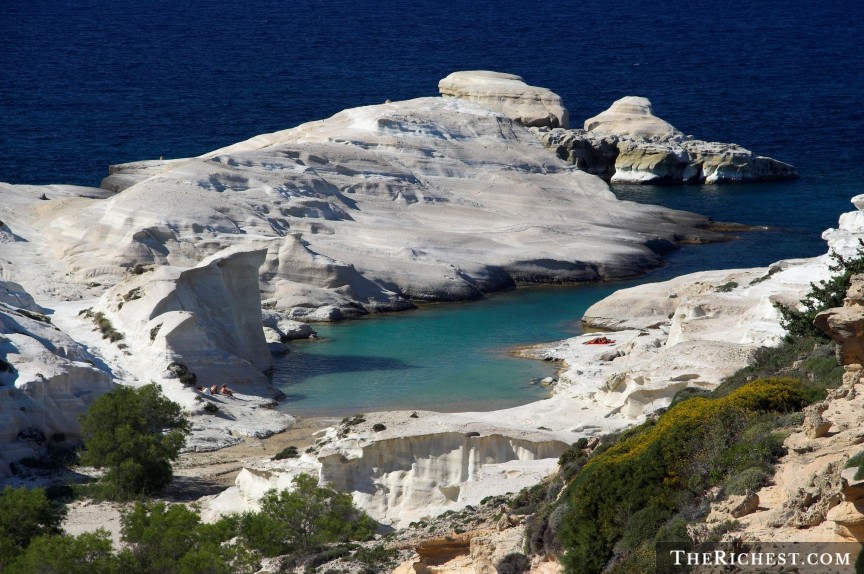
(825, 295)
(610, 507)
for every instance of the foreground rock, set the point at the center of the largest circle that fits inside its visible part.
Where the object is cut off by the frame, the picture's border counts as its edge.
(628, 144)
(403, 467)
(509, 95)
(812, 496)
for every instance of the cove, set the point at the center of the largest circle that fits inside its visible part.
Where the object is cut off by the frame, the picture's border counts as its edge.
(455, 357)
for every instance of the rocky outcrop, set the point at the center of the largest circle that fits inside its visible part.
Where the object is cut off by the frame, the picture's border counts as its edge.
(846, 324)
(628, 144)
(509, 95)
(433, 199)
(408, 478)
(631, 116)
(47, 380)
(207, 317)
(473, 552)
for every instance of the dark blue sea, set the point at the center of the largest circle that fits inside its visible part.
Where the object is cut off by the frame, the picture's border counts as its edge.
(90, 83)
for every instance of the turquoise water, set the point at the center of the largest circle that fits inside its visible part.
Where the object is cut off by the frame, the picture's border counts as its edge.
(448, 357)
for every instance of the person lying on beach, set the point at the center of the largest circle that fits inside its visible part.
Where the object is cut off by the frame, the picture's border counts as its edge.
(226, 391)
(599, 341)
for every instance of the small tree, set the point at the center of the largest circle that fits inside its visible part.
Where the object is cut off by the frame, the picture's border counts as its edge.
(303, 520)
(825, 295)
(25, 514)
(134, 434)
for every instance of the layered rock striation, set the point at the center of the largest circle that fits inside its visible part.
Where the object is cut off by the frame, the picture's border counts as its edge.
(510, 95)
(628, 144)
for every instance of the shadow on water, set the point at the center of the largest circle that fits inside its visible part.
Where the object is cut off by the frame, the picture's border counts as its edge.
(316, 365)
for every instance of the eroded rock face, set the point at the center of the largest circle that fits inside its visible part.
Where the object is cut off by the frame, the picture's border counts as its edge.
(207, 317)
(414, 469)
(408, 478)
(509, 95)
(628, 144)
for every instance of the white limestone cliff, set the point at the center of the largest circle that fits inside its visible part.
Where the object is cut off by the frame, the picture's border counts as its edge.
(204, 321)
(420, 465)
(427, 199)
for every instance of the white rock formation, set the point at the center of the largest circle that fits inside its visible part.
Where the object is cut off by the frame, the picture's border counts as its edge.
(509, 95)
(427, 199)
(631, 116)
(628, 144)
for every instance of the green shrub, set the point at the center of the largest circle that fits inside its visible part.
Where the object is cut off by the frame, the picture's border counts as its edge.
(287, 452)
(134, 434)
(747, 481)
(726, 287)
(132, 295)
(304, 520)
(35, 316)
(808, 359)
(169, 539)
(378, 427)
(183, 373)
(87, 553)
(641, 560)
(376, 555)
(325, 556)
(105, 327)
(643, 525)
(354, 421)
(25, 514)
(211, 408)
